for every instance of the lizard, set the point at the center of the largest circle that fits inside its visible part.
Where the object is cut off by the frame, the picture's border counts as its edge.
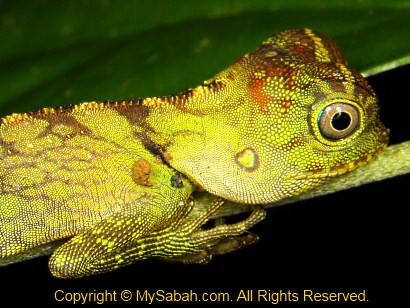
(118, 178)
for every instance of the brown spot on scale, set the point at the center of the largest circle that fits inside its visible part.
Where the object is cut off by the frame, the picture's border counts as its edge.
(284, 103)
(247, 159)
(141, 171)
(294, 143)
(167, 156)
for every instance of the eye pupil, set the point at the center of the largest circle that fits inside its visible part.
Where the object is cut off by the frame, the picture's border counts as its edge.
(341, 121)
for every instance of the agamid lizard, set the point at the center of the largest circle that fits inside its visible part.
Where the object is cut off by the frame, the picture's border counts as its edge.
(118, 177)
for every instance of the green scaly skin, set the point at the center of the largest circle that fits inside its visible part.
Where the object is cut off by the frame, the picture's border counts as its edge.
(117, 177)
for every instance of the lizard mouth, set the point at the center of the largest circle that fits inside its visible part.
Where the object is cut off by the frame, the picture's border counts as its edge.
(342, 168)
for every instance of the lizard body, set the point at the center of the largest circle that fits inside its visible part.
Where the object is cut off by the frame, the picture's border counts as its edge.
(117, 177)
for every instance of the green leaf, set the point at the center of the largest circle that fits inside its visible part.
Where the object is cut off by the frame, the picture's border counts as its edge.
(57, 53)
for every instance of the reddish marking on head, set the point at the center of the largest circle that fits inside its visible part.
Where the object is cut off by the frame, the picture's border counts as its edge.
(256, 90)
(286, 73)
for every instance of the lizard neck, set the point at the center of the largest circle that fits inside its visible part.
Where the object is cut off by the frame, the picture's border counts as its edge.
(180, 119)
(202, 130)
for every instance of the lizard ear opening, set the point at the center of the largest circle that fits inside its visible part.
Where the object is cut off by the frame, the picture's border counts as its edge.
(307, 45)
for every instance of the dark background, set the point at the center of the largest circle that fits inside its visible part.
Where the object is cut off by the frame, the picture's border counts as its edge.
(349, 241)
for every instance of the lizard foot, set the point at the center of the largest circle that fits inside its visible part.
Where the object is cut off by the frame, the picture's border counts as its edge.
(221, 239)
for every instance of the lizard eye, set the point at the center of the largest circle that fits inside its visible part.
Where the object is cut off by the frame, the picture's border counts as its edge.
(338, 120)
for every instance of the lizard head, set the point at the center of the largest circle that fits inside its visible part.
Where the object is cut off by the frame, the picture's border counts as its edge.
(284, 118)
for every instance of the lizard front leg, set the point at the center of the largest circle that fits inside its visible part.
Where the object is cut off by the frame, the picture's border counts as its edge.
(185, 241)
(101, 248)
